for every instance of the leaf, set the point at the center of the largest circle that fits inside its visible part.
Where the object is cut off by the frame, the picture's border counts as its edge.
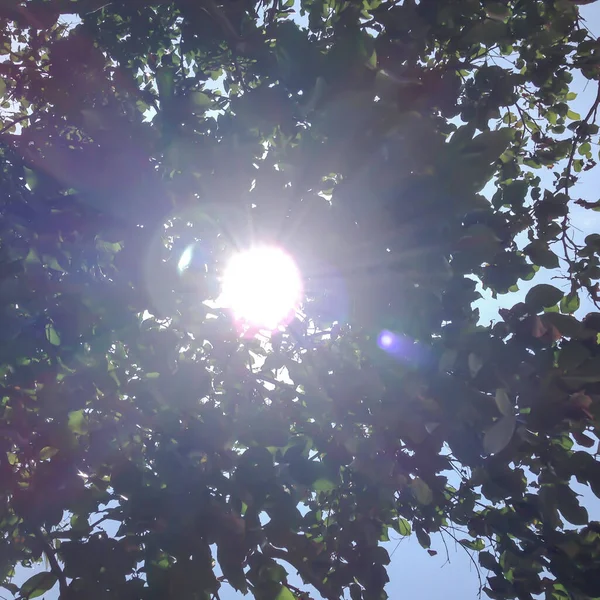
(285, 594)
(77, 422)
(585, 148)
(542, 296)
(475, 364)
(487, 32)
(11, 587)
(200, 100)
(448, 360)
(323, 485)
(476, 545)
(572, 355)
(503, 403)
(31, 178)
(569, 303)
(422, 491)
(47, 452)
(488, 145)
(372, 62)
(230, 556)
(38, 584)
(567, 325)
(497, 11)
(402, 526)
(487, 561)
(498, 436)
(569, 506)
(423, 538)
(165, 77)
(52, 336)
(541, 255)
(588, 372)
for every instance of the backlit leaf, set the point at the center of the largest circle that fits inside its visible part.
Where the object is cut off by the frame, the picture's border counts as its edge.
(52, 336)
(37, 585)
(422, 491)
(498, 436)
(285, 594)
(503, 403)
(570, 303)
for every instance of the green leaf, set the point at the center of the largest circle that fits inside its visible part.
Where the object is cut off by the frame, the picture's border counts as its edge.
(488, 145)
(78, 422)
(542, 296)
(52, 336)
(47, 452)
(402, 526)
(372, 62)
(497, 11)
(476, 545)
(323, 485)
(422, 491)
(31, 178)
(285, 594)
(569, 303)
(585, 148)
(201, 100)
(38, 584)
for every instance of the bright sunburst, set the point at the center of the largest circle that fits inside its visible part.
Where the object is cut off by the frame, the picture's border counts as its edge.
(262, 286)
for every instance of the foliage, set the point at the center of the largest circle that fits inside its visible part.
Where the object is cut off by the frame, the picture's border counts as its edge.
(361, 137)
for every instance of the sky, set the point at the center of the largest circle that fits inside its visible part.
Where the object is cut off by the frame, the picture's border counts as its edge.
(413, 573)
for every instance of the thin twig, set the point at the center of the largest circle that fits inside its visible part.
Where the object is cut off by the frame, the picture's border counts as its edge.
(446, 548)
(446, 530)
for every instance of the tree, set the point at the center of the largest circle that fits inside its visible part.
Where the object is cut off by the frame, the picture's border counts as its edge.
(360, 135)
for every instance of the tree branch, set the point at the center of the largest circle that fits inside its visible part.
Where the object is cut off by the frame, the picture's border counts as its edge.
(16, 122)
(53, 562)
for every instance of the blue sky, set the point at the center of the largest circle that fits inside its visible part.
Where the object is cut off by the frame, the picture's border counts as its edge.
(413, 573)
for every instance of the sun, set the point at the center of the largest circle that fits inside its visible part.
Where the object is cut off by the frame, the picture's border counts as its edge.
(262, 287)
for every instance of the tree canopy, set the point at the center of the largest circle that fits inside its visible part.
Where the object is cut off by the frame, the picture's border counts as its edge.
(406, 153)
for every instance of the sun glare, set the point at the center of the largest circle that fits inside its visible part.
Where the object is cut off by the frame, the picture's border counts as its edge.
(262, 286)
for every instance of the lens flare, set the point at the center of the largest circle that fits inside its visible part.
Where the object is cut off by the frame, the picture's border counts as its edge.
(262, 287)
(186, 259)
